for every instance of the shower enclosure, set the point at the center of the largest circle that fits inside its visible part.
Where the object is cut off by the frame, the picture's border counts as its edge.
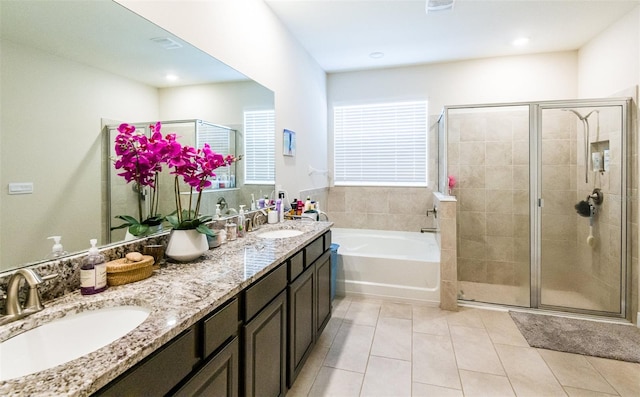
(542, 203)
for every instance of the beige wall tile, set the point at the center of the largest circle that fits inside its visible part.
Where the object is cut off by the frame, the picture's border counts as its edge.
(498, 177)
(499, 153)
(472, 153)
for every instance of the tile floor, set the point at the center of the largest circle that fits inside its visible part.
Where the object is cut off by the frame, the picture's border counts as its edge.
(380, 348)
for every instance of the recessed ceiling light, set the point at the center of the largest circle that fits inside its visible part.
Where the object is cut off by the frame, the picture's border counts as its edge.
(171, 77)
(376, 55)
(520, 41)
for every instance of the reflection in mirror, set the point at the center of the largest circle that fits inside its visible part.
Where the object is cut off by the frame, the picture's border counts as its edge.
(124, 198)
(68, 69)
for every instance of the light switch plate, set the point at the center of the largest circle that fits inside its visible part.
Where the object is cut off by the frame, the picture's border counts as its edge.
(21, 188)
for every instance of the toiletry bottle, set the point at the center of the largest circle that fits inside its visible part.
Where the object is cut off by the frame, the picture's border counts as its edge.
(241, 231)
(217, 211)
(57, 251)
(279, 210)
(232, 231)
(253, 202)
(307, 204)
(294, 206)
(93, 272)
(261, 203)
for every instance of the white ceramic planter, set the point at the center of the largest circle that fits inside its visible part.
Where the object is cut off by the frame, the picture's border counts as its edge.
(186, 245)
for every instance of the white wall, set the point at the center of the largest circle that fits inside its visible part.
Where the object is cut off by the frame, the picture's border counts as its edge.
(504, 79)
(247, 36)
(610, 63)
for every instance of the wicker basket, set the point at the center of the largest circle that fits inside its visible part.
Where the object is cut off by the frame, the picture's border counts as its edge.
(123, 271)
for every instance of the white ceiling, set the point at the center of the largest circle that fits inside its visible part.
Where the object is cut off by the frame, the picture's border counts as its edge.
(340, 34)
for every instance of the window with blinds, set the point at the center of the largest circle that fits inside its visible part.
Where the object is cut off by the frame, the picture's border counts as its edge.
(381, 144)
(219, 139)
(259, 147)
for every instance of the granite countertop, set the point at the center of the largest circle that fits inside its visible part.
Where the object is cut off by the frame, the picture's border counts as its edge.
(178, 295)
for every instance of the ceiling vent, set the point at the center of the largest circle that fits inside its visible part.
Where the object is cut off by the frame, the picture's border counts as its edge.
(167, 43)
(439, 5)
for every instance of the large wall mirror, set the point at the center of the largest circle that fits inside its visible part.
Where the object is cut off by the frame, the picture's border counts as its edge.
(71, 69)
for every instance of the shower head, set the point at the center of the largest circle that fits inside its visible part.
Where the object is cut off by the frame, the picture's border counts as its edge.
(583, 209)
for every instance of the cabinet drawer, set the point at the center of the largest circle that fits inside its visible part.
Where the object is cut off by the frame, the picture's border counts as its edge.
(220, 327)
(159, 373)
(314, 250)
(263, 291)
(296, 265)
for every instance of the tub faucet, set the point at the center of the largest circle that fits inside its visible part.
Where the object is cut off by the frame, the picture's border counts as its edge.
(33, 304)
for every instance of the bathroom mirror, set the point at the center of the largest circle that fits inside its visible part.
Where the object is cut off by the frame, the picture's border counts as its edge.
(68, 69)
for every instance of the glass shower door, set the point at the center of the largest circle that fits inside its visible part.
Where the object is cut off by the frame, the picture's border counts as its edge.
(488, 154)
(580, 230)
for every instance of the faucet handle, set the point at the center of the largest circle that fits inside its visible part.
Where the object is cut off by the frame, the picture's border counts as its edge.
(34, 301)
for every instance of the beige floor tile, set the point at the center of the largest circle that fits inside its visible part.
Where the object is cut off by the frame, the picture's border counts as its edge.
(363, 312)
(387, 377)
(340, 305)
(434, 362)
(336, 382)
(576, 392)
(575, 371)
(474, 350)
(307, 375)
(466, 317)
(482, 384)
(502, 329)
(392, 339)
(528, 372)
(623, 376)
(351, 347)
(328, 335)
(430, 320)
(396, 310)
(424, 390)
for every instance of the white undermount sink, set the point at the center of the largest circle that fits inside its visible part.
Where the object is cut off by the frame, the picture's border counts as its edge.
(66, 339)
(282, 233)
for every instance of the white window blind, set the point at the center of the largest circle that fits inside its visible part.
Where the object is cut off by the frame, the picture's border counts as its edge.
(219, 139)
(259, 147)
(381, 144)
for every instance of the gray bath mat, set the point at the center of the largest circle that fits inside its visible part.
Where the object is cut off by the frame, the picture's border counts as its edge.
(591, 338)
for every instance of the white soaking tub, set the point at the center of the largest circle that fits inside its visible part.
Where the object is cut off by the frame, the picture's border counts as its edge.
(387, 264)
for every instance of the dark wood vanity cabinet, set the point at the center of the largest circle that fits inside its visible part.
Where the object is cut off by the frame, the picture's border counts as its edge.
(255, 344)
(309, 294)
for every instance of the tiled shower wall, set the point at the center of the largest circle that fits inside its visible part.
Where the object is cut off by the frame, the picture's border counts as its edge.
(488, 155)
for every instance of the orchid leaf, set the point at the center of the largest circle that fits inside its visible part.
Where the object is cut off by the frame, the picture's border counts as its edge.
(205, 230)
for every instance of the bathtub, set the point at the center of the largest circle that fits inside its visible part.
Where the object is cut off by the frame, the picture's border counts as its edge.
(387, 264)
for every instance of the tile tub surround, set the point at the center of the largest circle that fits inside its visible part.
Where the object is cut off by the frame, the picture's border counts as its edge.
(178, 295)
(446, 237)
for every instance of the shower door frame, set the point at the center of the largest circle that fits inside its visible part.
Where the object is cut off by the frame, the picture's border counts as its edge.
(535, 188)
(537, 202)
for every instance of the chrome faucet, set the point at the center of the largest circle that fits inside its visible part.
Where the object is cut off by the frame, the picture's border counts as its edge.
(33, 304)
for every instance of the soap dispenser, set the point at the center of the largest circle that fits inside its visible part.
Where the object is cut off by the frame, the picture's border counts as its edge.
(217, 211)
(57, 251)
(93, 272)
(241, 231)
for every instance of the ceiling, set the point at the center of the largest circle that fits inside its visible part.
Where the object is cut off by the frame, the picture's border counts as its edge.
(341, 34)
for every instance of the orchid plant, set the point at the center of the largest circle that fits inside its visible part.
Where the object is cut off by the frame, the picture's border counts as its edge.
(140, 158)
(196, 167)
